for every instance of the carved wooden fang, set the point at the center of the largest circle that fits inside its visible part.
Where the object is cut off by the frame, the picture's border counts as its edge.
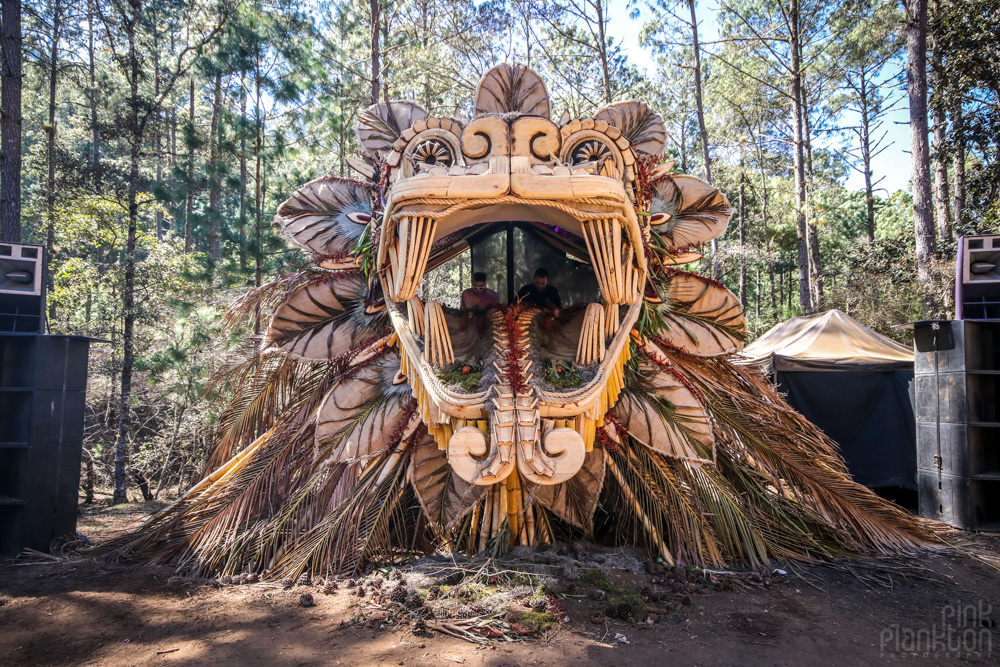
(408, 252)
(437, 341)
(415, 315)
(590, 348)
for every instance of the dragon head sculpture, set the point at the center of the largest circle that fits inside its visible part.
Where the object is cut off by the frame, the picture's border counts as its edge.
(349, 440)
(594, 184)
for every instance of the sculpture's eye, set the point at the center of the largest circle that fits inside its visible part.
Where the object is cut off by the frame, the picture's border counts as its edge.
(435, 152)
(589, 147)
(590, 151)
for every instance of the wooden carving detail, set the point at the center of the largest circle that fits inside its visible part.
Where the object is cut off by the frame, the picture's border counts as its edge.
(327, 216)
(686, 211)
(439, 176)
(437, 342)
(591, 347)
(512, 89)
(325, 319)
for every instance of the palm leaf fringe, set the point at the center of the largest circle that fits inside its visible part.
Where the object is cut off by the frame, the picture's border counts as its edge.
(284, 503)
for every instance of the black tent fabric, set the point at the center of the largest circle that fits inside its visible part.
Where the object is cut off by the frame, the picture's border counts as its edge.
(868, 413)
(851, 382)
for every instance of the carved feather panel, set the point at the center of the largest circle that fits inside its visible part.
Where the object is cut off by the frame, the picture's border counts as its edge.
(380, 125)
(702, 317)
(666, 416)
(326, 216)
(638, 123)
(575, 500)
(687, 211)
(512, 89)
(325, 319)
(364, 413)
(445, 496)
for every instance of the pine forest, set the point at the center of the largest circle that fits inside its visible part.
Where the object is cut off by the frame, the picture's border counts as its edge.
(856, 142)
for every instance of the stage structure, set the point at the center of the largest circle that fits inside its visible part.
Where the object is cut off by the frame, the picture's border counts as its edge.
(372, 425)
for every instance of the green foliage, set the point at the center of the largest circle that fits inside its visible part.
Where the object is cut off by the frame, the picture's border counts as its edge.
(539, 622)
(466, 374)
(561, 375)
(615, 594)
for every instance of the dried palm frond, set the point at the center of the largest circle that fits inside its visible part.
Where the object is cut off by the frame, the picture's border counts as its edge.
(798, 461)
(326, 319)
(327, 216)
(511, 89)
(642, 126)
(445, 497)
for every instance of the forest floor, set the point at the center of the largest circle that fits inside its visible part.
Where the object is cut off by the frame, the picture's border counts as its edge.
(942, 610)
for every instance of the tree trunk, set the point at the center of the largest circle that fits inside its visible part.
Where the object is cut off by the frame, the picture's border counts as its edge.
(158, 139)
(770, 273)
(942, 211)
(189, 200)
(923, 220)
(165, 470)
(143, 485)
(757, 295)
(128, 291)
(95, 137)
(603, 49)
(244, 174)
(702, 129)
(374, 10)
(10, 123)
(682, 134)
(215, 169)
(801, 227)
(743, 237)
(866, 162)
(815, 260)
(699, 100)
(50, 151)
(258, 190)
(958, 166)
(89, 479)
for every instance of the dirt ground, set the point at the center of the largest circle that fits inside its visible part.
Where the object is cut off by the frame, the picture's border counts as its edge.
(86, 612)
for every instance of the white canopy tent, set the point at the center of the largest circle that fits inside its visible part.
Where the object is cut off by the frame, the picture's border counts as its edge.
(851, 382)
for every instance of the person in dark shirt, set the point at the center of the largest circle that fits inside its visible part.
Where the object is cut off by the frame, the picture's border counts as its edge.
(540, 293)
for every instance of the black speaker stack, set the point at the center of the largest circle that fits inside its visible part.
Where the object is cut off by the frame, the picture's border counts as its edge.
(43, 382)
(957, 395)
(22, 288)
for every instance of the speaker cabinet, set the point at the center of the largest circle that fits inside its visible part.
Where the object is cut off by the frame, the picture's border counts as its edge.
(43, 382)
(957, 396)
(22, 288)
(977, 284)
